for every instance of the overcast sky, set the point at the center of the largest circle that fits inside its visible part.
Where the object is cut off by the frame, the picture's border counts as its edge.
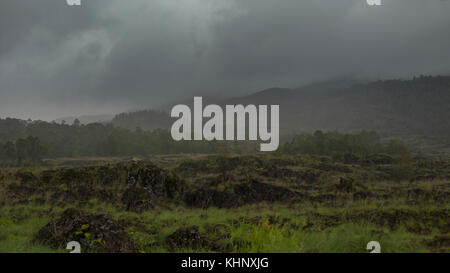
(109, 56)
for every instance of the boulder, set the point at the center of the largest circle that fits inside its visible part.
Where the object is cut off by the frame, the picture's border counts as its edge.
(95, 233)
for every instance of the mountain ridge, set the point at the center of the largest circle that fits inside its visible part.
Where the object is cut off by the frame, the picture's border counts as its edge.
(393, 108)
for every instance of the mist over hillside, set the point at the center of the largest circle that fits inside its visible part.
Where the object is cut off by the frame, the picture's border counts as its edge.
(400, 108)
(416, 111)
(86, 119)
(393, 107)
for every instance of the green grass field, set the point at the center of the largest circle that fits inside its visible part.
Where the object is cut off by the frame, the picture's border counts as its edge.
(231, 204)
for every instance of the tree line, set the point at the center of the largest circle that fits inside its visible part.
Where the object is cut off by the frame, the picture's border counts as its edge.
(334, 143)
(51, 139)
(28, 150)
(28, 142)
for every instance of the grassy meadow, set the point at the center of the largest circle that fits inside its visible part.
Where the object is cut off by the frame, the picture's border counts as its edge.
(235, 203)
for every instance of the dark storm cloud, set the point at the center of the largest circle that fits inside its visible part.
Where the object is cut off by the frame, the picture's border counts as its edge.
(111, 55)
(303, 40)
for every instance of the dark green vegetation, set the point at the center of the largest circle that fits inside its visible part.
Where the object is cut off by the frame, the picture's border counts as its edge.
(343, 145)
(29, 151)
(92, 140)
(260, 203)
(53, 140)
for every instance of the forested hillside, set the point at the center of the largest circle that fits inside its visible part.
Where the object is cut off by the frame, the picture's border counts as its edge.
(145, 120)
(420, 106)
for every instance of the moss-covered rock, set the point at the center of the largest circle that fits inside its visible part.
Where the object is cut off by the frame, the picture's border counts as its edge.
(95, 233)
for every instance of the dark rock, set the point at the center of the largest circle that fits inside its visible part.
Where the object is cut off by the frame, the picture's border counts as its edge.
(204, 198)
(254, 191)
(309, 175)
(21, 190)
(245, 192)
(380, 159)
(347, 158)
(95, 233)
(439, 242)
(160, 182)
(348, 184)
(187, 238)
(137, 199)
(26, 176)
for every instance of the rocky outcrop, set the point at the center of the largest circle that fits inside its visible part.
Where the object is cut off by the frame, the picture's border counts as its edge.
(95, 233)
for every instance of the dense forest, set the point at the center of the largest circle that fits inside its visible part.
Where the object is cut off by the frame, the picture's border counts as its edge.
(63, 140)
(337, 144)
(28, 142)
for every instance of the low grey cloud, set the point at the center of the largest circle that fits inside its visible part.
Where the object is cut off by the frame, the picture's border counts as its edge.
(112, 56)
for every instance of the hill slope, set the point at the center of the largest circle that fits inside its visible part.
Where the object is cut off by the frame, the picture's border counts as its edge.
(417, 110)
(393, 108)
